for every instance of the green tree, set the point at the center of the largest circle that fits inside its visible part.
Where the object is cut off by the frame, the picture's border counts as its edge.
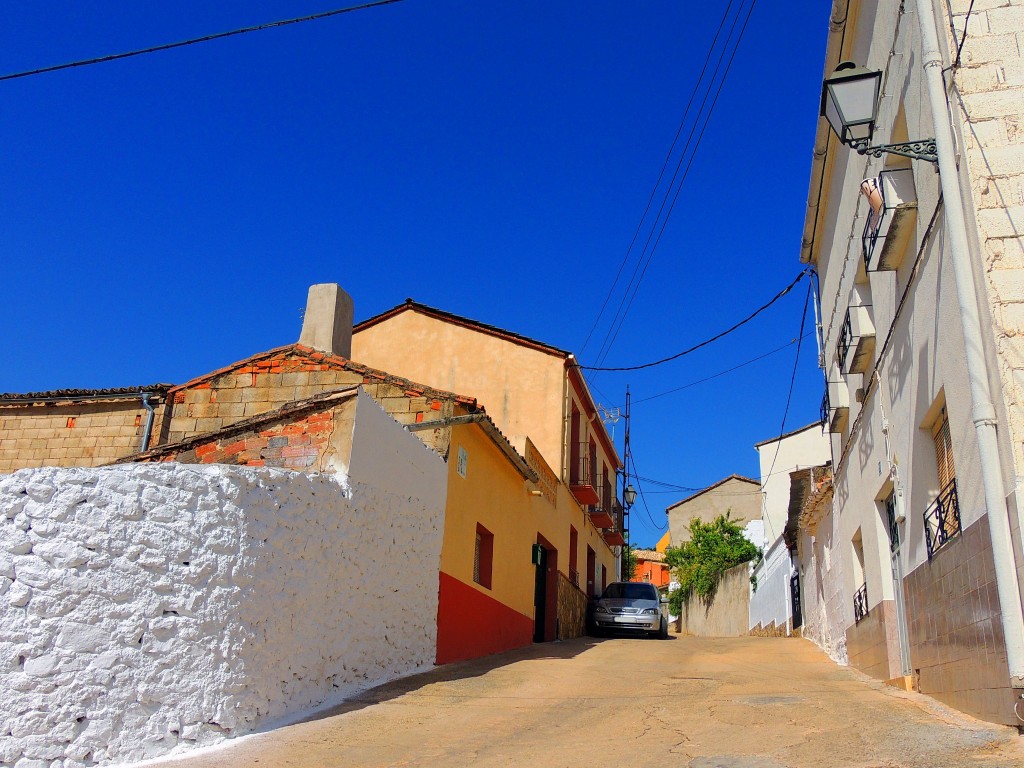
(699, 563)
(629, 563)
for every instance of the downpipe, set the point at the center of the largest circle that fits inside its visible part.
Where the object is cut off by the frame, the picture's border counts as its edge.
(982, 409)
(148, 430)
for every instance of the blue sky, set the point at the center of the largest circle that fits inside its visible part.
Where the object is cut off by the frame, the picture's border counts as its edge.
(163, 216)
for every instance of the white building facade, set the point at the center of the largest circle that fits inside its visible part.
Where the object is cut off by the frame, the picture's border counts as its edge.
(786, 462)
(916, 577)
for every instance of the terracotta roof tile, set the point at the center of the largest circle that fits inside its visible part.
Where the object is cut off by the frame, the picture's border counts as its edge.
(84, 394)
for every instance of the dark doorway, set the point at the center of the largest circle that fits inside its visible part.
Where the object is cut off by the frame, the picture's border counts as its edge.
(794, 593)
(545, 592)
(540, 602)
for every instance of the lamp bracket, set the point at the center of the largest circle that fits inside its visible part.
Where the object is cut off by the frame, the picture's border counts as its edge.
(922, 149)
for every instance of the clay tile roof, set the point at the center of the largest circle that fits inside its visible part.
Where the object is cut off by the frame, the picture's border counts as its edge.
(649, 554)
(465, 322)
(83, 394)
(336, 361)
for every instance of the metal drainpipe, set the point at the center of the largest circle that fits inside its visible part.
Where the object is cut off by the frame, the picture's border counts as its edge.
(149, 421)
(983, 412)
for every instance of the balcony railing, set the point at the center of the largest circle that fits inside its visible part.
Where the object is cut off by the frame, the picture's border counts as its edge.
(860, 603)
(942, 519)
(887, 231)
(869, 238)
(856, 344)
(581, 476)
(835, 404)
(845, 338)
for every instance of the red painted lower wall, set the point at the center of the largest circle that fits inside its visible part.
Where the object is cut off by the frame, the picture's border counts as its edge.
(471, 624)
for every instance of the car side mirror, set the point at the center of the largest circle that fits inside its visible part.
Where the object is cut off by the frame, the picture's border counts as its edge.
(664, 599)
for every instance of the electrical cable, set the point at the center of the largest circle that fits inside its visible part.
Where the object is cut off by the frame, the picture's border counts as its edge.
(792, 380)
(706, 342)
(193, 41)
(643, 498)
(661, 175)
(679, 186)
(721, 373)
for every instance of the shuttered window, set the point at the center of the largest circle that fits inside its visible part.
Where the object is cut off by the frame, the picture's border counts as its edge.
(943, 450)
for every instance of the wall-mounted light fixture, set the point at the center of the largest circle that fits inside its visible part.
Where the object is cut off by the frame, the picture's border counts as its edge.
(849, 101)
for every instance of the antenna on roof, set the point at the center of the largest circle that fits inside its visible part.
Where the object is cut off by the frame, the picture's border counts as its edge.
(609, 416)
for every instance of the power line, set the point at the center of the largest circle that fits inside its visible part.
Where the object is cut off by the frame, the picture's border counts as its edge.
(193, 41)
(693, 153)
(661, 175)
(643, 498)
(715, 338)
(721, 373)
(792, 380)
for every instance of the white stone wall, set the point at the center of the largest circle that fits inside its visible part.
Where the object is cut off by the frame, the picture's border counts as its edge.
(770, 602)
(145, 607)
(822, 599)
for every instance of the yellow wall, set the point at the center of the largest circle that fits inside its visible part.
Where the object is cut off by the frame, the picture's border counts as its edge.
(497, 497)
(494, 495)
(664, 542)
(522, 389)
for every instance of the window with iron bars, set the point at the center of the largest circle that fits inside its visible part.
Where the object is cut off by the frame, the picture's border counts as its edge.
(942, 517)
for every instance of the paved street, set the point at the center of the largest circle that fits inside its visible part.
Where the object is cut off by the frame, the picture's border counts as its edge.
(702, 703)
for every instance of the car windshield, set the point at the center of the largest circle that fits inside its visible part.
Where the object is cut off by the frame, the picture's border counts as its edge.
(630, 592)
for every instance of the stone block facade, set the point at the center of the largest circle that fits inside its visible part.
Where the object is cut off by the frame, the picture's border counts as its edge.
(84, 433)
(989, 96)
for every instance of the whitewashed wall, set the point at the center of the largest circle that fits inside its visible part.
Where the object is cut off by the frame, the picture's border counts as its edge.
(770, 603)
(146, 607)
(821, 580)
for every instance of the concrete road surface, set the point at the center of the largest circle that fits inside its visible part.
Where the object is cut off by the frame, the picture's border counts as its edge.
(694, 702)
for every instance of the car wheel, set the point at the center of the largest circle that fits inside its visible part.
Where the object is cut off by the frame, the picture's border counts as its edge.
(663, 632)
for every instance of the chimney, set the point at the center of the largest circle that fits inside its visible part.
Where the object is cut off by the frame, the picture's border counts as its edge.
(327, 324)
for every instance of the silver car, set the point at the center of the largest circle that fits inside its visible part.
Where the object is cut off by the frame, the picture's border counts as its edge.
(629, 606)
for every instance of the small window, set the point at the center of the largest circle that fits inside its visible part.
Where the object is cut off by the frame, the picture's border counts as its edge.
(943, 450)
(460, 462)
(483, 557)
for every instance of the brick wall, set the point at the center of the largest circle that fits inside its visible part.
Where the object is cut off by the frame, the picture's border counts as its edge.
(267, 383)
(74, 434)
(299, 443)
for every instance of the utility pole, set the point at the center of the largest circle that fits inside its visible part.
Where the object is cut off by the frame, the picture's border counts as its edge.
(625, 473)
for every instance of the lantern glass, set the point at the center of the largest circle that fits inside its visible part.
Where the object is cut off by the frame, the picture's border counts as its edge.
(629, 495)
(849, 101)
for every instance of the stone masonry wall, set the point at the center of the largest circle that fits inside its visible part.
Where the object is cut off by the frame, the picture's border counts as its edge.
(989, 89)
(150, 606)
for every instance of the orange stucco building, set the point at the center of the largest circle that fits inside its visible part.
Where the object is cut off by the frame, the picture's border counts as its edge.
(569, 524)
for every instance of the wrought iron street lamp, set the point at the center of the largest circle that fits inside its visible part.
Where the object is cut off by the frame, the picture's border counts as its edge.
(629, 496)
(849, 101)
